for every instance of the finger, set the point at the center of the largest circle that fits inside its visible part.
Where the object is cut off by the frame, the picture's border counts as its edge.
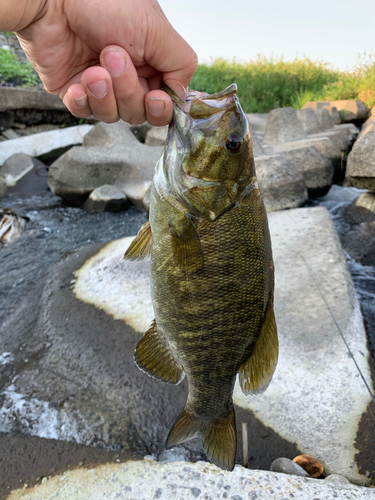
(159, 108)
(101, 98)
(174, 57)
(127, 87)
(75, 99)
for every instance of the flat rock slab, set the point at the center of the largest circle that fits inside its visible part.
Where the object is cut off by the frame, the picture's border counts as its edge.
(45, 142)
(181, 480)
(79, 382)
(15, 98)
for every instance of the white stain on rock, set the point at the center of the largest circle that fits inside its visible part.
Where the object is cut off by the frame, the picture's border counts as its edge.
(120, 287)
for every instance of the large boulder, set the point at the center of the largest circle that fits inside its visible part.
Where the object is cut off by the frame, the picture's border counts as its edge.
(17, 98)
(280, 186)
(147, 479)
(111, 154)
(283, 126)
(349, 110)
(361, 160)
(44, 142)
(316, 170)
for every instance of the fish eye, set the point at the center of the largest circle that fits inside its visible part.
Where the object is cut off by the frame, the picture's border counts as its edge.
(233, 143)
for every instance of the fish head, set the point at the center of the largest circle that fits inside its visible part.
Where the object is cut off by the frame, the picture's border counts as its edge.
(208, 157)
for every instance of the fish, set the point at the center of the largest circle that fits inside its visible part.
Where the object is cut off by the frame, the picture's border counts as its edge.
(211, 269)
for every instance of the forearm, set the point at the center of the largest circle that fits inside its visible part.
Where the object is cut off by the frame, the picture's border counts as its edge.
(15, 15)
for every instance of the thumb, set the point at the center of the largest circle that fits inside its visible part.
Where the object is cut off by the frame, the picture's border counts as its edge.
(169, 53)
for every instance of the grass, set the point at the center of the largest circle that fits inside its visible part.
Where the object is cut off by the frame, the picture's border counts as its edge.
(11, 67)
(265, 84)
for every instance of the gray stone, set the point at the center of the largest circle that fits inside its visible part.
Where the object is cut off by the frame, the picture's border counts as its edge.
(111, 154)
(348, 110)
(324, 144)
(256, 143)
(287, 466)
(336, 479)
(156, 136)
(148, 479)
(313, 286)
(16, 167)
(335, 115)
(258, 122)
(349, 129)
(316, 169)
(3, 186)
(361, 160)
(309, 121)
(16, 98)
(324, 118)
(106, 199)
(283, 126)
(280, 186)
(45, 142)
(10, 134)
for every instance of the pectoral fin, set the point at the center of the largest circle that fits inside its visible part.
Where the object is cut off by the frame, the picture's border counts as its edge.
(153, 357)
(187, 248)
(140, 247)
(257, 371)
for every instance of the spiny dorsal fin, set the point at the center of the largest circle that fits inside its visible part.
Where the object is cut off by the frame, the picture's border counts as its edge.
(219, 437)
(140, 247)
(187, 248)
(257, 371)
(153, 357)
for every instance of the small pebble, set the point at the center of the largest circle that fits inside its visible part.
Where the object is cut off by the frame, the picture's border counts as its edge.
(287, 466)
(310, 465)
(336, 479)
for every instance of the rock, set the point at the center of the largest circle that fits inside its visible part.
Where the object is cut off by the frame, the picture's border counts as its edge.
(337, 479)
(140, 131)
(280, 186)
(334, 115)
(3, 186)
(16, 98)
(10, 134)
(16, 167)
(256, 143)
(316, 169)
(349, 110)
(310, 464)
(106, 198)
(11, 226)
(283, 126)
(360, 168)
(6, 120)
(349, 129)
(257, 122)
(45, 142)
(309, 121)
(181, 480)
(309, 265)
(156, 136)
(287, 466)
(369, 122)
(111, 154)
(324, 118)
(360, 241)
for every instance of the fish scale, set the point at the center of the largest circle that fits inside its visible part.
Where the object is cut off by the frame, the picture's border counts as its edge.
(212, 275)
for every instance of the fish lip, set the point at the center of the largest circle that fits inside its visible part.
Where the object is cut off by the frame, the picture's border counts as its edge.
(230, 90)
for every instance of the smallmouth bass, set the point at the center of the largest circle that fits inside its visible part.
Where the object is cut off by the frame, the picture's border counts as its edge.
(212, 274)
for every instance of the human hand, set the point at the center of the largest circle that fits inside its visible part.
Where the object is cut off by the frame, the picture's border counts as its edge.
(108, 59)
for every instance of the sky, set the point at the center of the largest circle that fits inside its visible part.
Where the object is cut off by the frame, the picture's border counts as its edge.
(333, 31)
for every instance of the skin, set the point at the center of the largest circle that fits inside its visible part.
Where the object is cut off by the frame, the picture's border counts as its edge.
(105, 59)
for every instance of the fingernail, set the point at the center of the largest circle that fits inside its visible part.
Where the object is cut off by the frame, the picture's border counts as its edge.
(115, 62)
(155, 106)
(98, 89)
(81, 101)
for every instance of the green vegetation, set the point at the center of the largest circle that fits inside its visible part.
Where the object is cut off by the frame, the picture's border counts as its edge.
(266, 84)
(11, 67)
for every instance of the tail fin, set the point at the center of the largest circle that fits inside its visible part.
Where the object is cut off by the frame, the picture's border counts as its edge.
(219, 436)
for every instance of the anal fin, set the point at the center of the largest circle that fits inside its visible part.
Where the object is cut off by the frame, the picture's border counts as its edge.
(140, 247)
(257, 371)
(153, 357)
(218, 436)
(187, 248)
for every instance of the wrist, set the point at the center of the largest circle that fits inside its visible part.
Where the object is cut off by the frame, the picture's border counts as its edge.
(15, 15)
